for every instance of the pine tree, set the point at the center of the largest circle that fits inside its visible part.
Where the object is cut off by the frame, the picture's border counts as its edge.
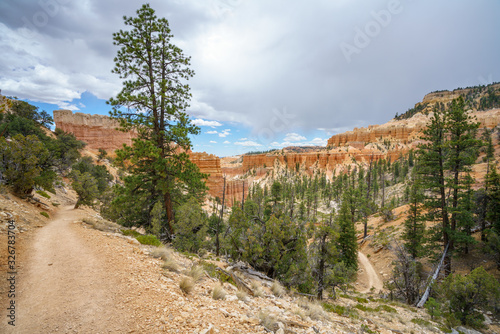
(463, 149)
(431, 169)
(348, 244)
(152, 101)
(414, 225)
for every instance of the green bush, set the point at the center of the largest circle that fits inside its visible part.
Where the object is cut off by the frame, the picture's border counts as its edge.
(45, 214)
(467, 294)
(148, 239)
(43, 194)
(131, 233)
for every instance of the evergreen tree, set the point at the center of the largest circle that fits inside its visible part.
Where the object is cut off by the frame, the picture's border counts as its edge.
(463, 149)
(348, 244)
(414, 225)
(23, 164)
(431, 169)
(152, 101)
(85, 185)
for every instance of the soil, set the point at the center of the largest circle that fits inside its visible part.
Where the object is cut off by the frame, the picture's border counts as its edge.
(368, 279)
(65, 287)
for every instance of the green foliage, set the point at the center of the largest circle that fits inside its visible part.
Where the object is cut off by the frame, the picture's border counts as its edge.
(433, 308)
(191, 227)
(158, 165)
(493, 246)
(102, 154)
(467, 294)
(131, 233)
(156, 218)
(99, 173)
(45, 214)
(22, 164)
(148, 239)
(43, 194)
(414, 225)
(85, 186)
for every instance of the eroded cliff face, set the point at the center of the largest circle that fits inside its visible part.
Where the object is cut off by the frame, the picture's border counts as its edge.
(361, 145)
(102, 132)
(97, 131)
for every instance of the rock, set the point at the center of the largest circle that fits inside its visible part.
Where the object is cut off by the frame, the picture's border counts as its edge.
(210, 330)
(280, 331)
(464, 330)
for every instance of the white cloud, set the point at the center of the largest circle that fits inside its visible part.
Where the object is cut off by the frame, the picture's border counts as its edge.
(225, 133)
(202, 122)
(211, 132)
(319, 142)
(227, 142)
(248, 143)
(293, 137)
(213, 142)
(242, 139)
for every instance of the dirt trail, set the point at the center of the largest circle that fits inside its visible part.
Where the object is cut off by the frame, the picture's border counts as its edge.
(371, 278)
(65, 288)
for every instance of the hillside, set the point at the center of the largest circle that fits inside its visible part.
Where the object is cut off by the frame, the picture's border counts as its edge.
(130, 292)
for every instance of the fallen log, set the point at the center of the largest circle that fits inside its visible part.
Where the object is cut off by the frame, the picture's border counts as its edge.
(422, 301)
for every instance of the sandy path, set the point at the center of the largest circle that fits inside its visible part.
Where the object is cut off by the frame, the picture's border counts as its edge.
(371, 277)
(65, 288)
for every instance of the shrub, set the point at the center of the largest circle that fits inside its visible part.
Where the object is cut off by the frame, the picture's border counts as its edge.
(45, 214)
(56, 204)
(218, 292)
(467, 294)
(186, 284)
(43, 194)
(131, 233)
(149, 239)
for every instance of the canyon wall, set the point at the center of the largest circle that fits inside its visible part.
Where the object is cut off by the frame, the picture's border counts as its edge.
(101, 132)
(97, 131)
(403, 131)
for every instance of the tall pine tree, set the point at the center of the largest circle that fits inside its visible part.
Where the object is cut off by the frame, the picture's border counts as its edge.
(153, 102)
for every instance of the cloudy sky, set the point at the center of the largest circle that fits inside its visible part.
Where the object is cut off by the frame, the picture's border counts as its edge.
(268, 73)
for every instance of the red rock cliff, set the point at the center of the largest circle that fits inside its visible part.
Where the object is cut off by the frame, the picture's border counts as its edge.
(101, 132)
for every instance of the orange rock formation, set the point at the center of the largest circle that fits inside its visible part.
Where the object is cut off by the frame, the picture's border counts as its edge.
(102, 132)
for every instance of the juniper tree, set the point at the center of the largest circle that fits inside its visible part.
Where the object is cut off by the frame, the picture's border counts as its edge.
(153, 101)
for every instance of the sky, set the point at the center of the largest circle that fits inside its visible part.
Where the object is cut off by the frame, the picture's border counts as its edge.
(269, 74)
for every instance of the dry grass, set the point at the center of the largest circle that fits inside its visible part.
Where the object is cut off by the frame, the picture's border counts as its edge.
(277, 289)
(268, 320)
(257, 289)
(218, 293)
(163, 253)
(171, 265)
(187, 285)
(313, 310)
(102, 225)
(299, 312)
(242, 295)
(196, 272)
